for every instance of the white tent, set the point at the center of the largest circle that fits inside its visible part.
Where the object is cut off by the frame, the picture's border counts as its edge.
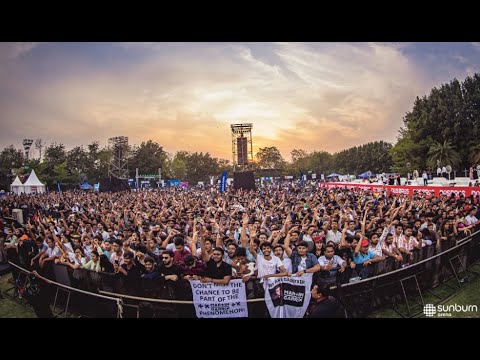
(16, 187)
(33, 185)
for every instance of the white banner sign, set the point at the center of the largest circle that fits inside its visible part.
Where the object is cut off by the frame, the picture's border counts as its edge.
(220, 301)
(288, 297)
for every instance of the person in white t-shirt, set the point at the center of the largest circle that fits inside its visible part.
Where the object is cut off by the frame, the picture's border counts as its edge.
(471, 219)
(279, 252)
(51, 254)
(331, 263)
(268, 266)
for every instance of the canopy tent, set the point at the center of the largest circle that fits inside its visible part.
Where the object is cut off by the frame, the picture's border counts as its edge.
(33, 185)
(333, 175)
(365, 174)
(86, 186)
(17, 187)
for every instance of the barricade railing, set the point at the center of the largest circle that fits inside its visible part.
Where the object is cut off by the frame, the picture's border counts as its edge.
(398, 287)
(70, 290)
(359, 298)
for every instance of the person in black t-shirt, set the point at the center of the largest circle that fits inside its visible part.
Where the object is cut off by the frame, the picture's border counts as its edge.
(132, 270)
(322, 305)
(217, 270)
(171, 276)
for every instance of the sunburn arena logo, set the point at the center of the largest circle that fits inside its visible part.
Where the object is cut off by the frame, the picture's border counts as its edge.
(431, 310)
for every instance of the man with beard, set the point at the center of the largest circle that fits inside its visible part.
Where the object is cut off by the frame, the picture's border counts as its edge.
(217, 271)
(170, 276)
(132, 272)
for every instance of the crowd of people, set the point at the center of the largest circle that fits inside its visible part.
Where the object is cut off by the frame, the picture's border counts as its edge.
(159, 239)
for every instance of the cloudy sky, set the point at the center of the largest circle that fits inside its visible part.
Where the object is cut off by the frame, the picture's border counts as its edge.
(311, 96)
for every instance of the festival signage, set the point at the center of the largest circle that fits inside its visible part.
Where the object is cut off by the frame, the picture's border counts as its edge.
(219, 301)
(465, 191)
(223, 182)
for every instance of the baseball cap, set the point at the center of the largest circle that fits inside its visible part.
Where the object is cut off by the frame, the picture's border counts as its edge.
(364, 242)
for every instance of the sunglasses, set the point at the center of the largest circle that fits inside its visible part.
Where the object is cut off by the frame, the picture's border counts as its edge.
(165, 258)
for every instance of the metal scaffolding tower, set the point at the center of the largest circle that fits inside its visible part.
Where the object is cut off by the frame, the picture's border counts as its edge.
(118, 166)
(242, 148)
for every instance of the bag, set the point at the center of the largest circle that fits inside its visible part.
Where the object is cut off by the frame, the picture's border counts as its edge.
(31, 288)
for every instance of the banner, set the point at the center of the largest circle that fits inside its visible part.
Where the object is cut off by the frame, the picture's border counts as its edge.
(223, 182)
(288, 297)
(58, 186)
(302, 182)
(219, 301)
(408, 190)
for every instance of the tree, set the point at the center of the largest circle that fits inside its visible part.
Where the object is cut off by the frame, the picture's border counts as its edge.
(178, 168)
(270, 158)
(39, 146)
(224, 165)
(474, 149)
(60, 171)
(148, 157)
(200, 167)
(443, 153)
(298, 154)
(300, 161)
(10, 159)
(54, 155)
(449, 113)
(77, 160)
(320, 162)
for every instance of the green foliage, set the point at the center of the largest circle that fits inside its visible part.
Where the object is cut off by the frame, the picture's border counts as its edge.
(148, 157)
(445, 126)
(270, 158)
(374, 156)
(10, 158)
(443, 154)
(60, 171)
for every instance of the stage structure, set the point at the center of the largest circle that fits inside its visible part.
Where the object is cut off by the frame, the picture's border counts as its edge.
(27, 144)
(242, 148)
(118, 166)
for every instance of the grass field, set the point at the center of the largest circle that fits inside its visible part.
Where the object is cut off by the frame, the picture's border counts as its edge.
(10, 308)
(468, 295)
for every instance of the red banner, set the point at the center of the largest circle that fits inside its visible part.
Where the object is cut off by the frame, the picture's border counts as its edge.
(466, 191)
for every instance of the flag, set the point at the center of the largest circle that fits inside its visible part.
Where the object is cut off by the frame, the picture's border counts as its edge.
(223, 182)
(302, 182)
(58, 186)
(288, 297)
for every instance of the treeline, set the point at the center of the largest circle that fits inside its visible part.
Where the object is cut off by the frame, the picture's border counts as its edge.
(442, 128)
(91, 163)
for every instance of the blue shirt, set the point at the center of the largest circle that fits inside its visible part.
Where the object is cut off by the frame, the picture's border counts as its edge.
(360, 258)
(311, 261)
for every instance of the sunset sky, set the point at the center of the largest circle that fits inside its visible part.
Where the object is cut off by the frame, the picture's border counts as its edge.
(311, 96)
